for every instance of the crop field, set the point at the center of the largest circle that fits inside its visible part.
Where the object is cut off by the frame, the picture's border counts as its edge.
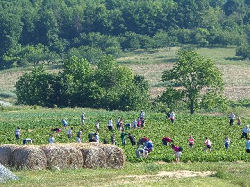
(36, 123)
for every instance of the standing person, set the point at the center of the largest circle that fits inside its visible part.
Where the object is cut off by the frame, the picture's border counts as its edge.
(142, 115)
(97, 126)
(135, 123)
(208, 144)
(245, 131)
(123, 135)
(17, 133)
(118, 123)
(172, 117)
(121, 125)
(51, 139)
(83, 118)
(191, 141)
(132, 139)
(79, 136)
(64, 123)
(239, 121)
(139, 122)
(248, 145)
(110, 125)
(227, 142)
(70, 132)
(113, 139)
(142, 123)
(231, 118)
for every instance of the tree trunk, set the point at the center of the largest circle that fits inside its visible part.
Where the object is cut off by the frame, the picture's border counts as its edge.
(191, 106)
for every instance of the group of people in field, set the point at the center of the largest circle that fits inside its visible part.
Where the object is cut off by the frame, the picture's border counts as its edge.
(144, 144)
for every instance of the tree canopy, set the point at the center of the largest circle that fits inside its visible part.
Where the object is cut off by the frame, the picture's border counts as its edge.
(191, 78)
(87, 28)
(108, 86)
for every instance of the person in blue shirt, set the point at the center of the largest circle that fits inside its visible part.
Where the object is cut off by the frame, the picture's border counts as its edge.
(248, 145)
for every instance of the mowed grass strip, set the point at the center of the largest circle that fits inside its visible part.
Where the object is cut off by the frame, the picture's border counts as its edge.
(226, 174)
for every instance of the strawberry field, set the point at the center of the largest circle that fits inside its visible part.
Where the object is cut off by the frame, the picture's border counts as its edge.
(37, 124)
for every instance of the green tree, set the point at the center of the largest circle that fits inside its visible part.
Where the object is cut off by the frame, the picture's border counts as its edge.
(192, 74)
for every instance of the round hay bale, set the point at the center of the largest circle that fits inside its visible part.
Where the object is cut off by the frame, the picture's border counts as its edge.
(5, 153)
(55, 156)
(93, 157)
(115, 157)
(73, 157)
(30, 157)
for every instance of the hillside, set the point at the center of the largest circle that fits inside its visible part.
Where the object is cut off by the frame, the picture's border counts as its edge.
(151, 64)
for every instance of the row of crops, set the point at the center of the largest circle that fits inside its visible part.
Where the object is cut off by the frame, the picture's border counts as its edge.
(37, 124)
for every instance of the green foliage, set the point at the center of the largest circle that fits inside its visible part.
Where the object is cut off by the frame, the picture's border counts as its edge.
(243, 51)
(192, 73)
(108, 86)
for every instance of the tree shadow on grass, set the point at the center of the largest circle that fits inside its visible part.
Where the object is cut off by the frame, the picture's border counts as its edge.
(235, 58)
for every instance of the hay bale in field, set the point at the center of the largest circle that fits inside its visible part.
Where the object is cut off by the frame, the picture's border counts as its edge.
(93, 157)
(5, 153)
(30, 157)
(63, 156)
(115, 157)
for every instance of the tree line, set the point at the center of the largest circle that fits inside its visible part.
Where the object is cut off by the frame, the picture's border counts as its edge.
(34, 31)
(193, 83)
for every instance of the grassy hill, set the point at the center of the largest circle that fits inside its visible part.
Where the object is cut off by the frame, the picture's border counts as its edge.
(151, 64)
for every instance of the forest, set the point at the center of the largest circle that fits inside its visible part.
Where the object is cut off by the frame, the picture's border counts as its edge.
(40, 31)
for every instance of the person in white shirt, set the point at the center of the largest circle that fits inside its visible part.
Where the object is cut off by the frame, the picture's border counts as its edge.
(83, 118)
(172, 117)
(97, 126)
(245, 131)
(110, 125)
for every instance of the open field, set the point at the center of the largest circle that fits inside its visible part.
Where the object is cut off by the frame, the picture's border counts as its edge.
(141, 174)
(151, 64)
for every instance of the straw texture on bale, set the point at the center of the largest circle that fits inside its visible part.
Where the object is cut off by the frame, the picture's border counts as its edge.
(6, 151)
(115, 157)
(93, 157)
(30, 157)
(63, 156)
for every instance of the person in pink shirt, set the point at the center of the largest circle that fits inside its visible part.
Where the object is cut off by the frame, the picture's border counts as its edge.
(208, 144)
(239, 121)
(166, 140)
(177, 152)
(191, 141)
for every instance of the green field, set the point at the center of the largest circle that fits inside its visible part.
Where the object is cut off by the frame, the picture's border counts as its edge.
(37, 124)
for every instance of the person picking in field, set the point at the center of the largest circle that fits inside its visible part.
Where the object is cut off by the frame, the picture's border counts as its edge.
(227, 142)
(231, 118)
(70, 132)
(97, 126)
(51, 139)
(166, 140)
(208, 144)
(177, 152)
(123, 135)
(245, 131)
(79, 136)
(191, 141)
(110, 125)
(64, 123)
(172, 117)
(132, 139)
(248, 145)
(83, 118)
(113, 139)
(17, 133)
(239, 121)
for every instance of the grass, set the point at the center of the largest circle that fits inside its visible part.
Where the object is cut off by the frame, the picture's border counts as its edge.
(139, 174)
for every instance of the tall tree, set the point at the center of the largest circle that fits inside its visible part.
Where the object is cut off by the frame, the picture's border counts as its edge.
(193, 75)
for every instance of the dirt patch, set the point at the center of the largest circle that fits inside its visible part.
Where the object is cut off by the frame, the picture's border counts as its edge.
(175, 174)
